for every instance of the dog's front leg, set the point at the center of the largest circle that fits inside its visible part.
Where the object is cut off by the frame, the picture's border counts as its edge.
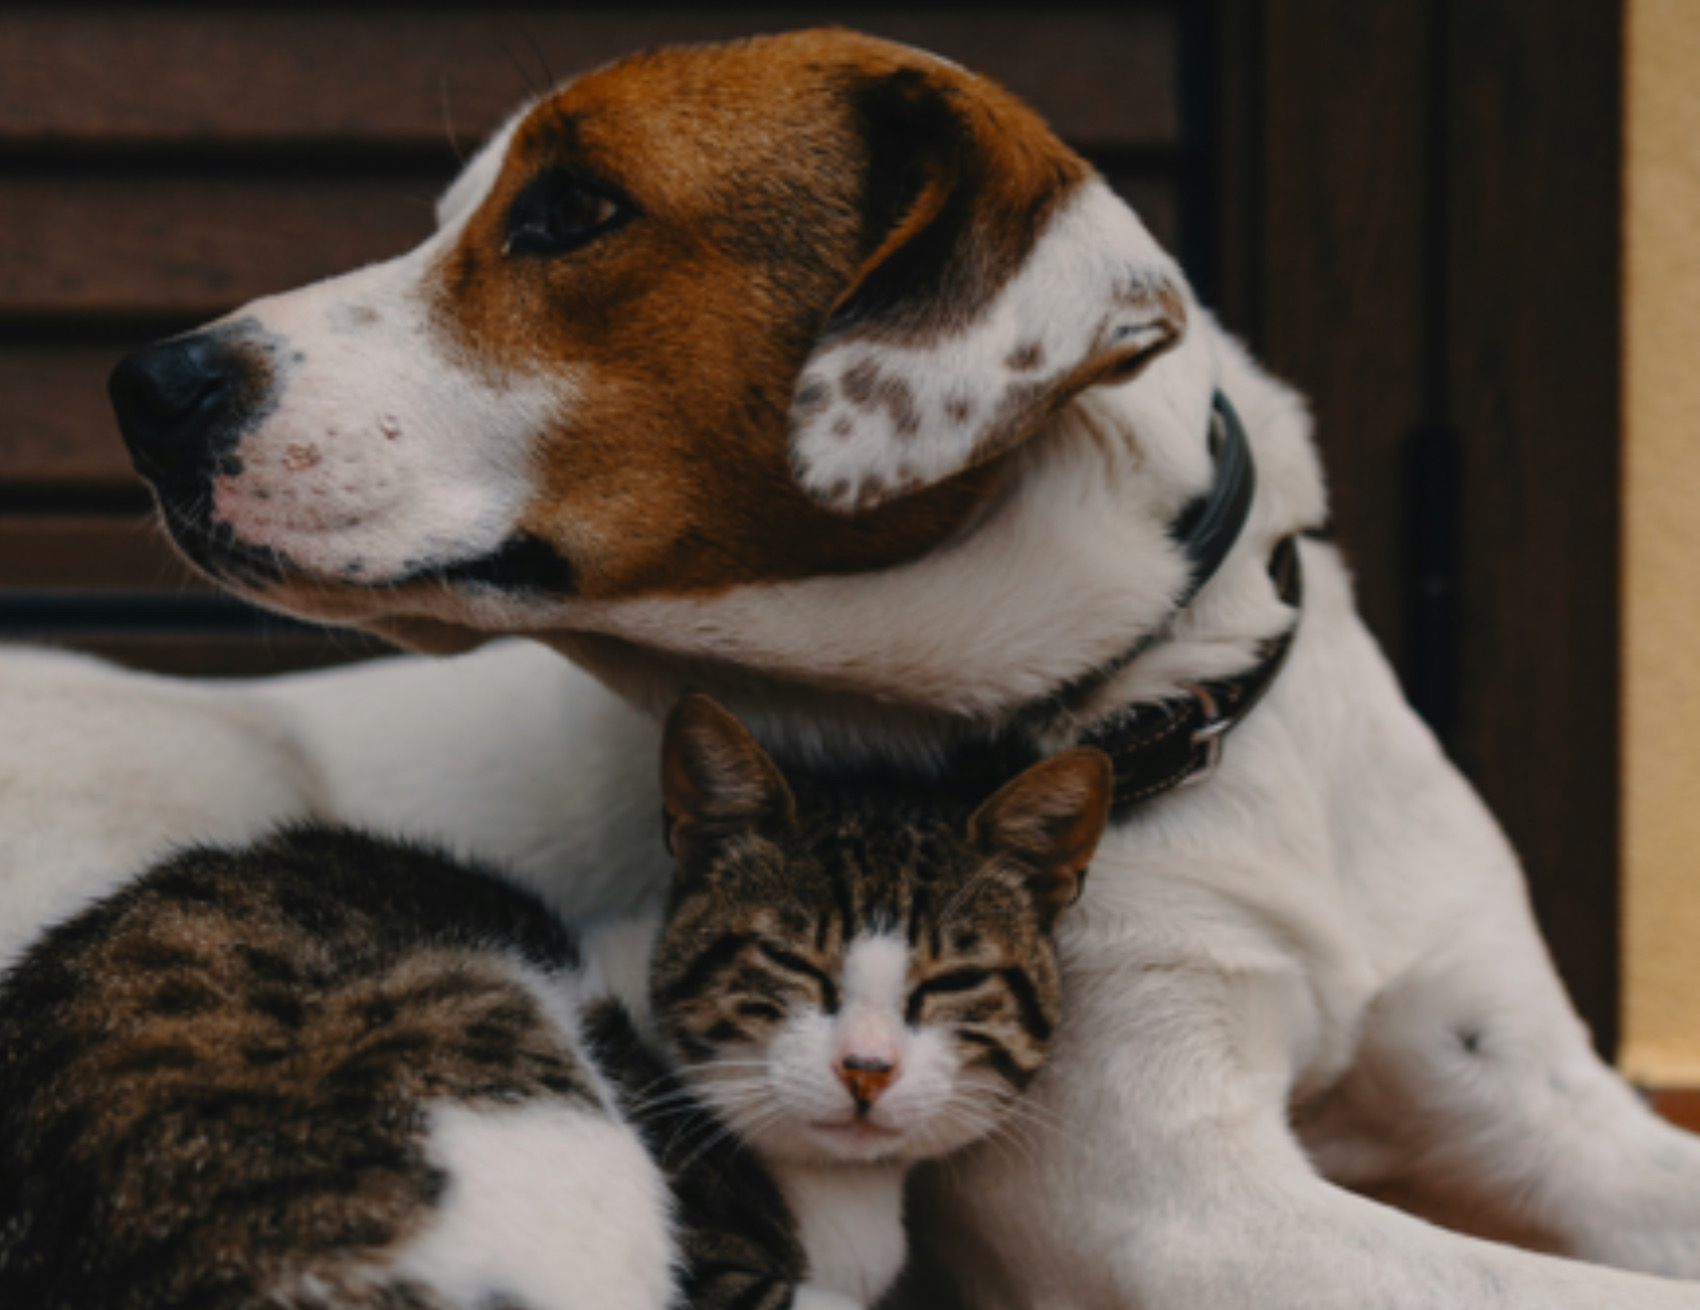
(1477, 1099)
(1158, 1172)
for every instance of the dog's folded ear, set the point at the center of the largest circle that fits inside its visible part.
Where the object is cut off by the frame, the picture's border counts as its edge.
(1002, 278)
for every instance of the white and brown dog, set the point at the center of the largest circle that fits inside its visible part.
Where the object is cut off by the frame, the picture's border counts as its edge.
(816, 373)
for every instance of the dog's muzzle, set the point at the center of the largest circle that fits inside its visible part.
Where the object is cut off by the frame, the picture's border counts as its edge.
(183, 404)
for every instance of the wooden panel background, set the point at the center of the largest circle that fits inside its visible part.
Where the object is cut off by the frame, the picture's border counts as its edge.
(1534, 365)
(1422, 232)
(160, 165)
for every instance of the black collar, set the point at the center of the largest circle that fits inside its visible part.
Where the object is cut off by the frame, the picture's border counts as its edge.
(1206, 530)
(1209, 527)
(1158, 747)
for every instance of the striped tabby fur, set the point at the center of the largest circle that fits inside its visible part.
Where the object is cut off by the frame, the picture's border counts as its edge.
(214, 1083)
(855, 979)
(232, 1083)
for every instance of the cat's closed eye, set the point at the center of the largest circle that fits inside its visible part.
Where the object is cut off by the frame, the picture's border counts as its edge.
(792, 963)
(956, 980)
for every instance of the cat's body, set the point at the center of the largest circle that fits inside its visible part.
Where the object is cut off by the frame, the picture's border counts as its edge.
(331, 1071)
(241, 1080)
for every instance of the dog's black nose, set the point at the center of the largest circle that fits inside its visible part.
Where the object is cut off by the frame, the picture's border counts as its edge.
(173, 402)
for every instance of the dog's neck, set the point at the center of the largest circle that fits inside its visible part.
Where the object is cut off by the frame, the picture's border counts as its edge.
(1071, 567)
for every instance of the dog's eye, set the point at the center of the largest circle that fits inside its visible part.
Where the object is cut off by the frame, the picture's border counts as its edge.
(556, 213)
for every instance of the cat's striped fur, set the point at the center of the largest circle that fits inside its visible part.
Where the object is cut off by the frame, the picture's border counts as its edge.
(215, 1084)
(232, 1083)
(858, 977)
(742, 950)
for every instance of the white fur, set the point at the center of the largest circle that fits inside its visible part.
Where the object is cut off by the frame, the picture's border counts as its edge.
(931, 1105)
(850, 1221)
(102, 772)
(616, 955)
(876, 972)
(479, 174)
(548, 1206)
(1093, 281)
(842, 1173)
(1269, 981)
(508, 753)
(366, 474)
(809, 1297)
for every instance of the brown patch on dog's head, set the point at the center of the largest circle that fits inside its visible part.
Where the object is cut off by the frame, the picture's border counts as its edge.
(743, 203)
(707, 318)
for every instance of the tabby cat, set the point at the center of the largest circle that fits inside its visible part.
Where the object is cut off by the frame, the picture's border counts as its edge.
(327, 1070)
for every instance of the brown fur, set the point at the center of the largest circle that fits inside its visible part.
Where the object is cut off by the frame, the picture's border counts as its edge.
(902, 193)
(215, 1079)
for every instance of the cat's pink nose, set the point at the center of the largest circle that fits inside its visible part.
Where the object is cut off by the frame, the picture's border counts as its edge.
(866, 1076)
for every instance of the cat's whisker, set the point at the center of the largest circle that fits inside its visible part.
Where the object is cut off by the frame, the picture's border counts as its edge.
(741, 1138)
(1020, 1119)
(662, 1080)
(723, 1062)
(692, 1095)
(758, 1119)
(1025, 1115)
(997, 1137)
(735, 1102)
(979, 1123)
(731, 1095)
(685, 1132)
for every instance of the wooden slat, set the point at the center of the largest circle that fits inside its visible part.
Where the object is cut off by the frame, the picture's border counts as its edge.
(108, 552)
(1533, 367)
(201, 246)
(1342, 300)
(1344, 251)
(56, 428)
(192, 246)
(55, 424)
(394, 76)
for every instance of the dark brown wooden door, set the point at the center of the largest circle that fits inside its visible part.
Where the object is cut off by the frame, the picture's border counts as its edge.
(1419, 205)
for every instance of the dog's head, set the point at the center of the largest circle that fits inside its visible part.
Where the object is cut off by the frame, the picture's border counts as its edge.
(707, 319)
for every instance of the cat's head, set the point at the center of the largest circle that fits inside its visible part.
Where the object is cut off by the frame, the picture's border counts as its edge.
(855, 978)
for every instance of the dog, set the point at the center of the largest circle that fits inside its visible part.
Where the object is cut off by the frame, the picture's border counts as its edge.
(815, 373)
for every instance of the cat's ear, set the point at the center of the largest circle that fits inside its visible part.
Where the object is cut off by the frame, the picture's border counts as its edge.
(1002, 278)
(715, 779)
(1049, 820)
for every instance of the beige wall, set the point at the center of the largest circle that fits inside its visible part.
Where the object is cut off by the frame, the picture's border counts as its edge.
(1662, 546)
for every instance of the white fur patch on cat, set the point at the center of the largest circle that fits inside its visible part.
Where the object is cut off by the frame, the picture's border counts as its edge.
(548, 1206)
(851, 1223)
(876, 971)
